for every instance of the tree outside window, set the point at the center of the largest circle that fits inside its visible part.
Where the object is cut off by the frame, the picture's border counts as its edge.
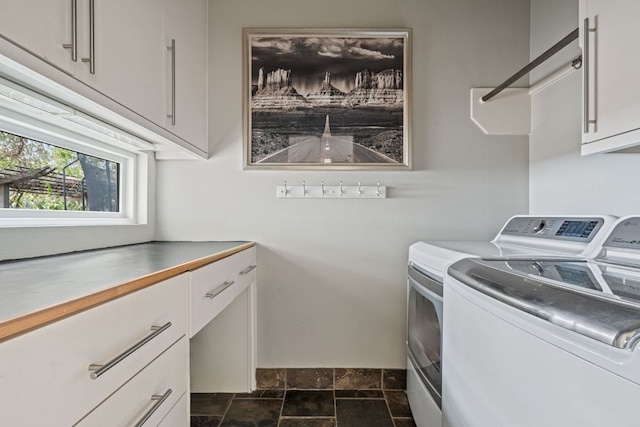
(36, 175)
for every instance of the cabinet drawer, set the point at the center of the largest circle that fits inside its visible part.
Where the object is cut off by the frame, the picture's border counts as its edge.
(179, 415)
(49, 367)
(214, 286)
(150, 395)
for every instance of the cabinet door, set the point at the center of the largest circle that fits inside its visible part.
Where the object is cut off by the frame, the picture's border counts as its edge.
(611, 70)
(128, 54)
(41, 27)
(185, 21)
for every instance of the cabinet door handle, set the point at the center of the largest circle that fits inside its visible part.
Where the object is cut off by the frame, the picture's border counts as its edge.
(159, 398)
(247, 270)
(92, 38)
(586, 93)
(172, 48)
(74, 32)
(219, 289)
(97, 370)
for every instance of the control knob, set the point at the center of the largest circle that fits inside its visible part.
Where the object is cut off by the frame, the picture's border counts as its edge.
(538, 225)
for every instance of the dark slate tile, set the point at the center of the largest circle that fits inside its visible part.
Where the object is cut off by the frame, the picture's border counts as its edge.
(310, 379)
(404, 422)
(363, 394)
(210, 403)
(205, 421)
(363, 413)
(358, 379)
(307, 422)
(261, 394)
(308, 403)
(398, 403)
(271, 378)
(394, 379)
(253, 413)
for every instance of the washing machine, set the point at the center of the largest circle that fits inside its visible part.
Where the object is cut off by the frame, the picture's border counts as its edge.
(541, 342)
(522, 236)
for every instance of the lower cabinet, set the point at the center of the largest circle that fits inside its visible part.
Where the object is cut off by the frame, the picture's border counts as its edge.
(70, 367)
(128, 361)
(223, 325)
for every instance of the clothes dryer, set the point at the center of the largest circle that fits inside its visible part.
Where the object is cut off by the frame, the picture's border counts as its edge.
(551, 236)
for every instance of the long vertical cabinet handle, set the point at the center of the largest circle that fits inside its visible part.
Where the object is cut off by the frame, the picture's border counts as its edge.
(172, 48)
(587, 78)
(74, 32)
(92, 38)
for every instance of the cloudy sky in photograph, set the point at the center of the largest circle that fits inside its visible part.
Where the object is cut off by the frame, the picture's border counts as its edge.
(309, 57)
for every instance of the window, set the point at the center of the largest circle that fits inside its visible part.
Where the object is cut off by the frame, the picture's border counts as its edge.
(36, 175)
(65, 160)
(52, 175)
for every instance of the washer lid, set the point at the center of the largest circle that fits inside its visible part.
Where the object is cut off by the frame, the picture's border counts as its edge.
(570, 294)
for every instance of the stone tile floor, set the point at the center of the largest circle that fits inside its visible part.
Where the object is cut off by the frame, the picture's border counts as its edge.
(310, 398)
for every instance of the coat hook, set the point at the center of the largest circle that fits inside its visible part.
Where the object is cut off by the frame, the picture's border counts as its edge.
(341, 190)
(322, 185)
(378, 189)
(359, 189)
(286, 191)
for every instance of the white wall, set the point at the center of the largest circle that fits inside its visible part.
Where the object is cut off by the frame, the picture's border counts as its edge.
(332, 272)
(561, 180)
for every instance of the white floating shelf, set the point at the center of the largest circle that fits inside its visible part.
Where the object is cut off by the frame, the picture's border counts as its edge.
(332, 192)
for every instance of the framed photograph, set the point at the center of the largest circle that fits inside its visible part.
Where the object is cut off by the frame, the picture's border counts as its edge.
(327, 98)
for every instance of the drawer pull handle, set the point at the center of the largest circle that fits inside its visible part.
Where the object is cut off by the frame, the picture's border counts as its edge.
(247, 270)
(219, 289)
(160, 400)
(97, 370)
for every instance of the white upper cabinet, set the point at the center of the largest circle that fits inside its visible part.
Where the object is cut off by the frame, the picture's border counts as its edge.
(185, 37)
(611, 99)
(120, 46)
(114, 53)
(41, 27)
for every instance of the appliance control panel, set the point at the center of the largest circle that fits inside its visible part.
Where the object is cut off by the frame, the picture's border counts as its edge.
(578, 229)
(626, 234)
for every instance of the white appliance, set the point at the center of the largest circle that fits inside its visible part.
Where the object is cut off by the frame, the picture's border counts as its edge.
(522, 236)
(543, 342)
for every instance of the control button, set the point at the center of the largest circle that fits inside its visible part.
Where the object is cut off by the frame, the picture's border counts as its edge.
(538, 225)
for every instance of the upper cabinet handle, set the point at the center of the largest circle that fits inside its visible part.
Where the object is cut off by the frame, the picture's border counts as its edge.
(97, 370)
(74, 32)
(247, 270)
(172, 48)
(586, 87)
(92, 38)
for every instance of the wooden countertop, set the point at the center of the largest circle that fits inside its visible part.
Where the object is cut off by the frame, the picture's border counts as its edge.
(37, 291)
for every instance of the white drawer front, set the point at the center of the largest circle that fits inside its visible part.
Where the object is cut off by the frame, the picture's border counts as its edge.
(179, 415)
(49, 367)
(150, 395)
(214, 286)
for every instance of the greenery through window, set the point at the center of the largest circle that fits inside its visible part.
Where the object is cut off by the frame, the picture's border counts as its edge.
(36, 175)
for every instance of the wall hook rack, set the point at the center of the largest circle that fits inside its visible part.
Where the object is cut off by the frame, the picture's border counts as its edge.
(339, 191)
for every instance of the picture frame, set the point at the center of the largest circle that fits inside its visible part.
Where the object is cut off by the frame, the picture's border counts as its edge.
(327, 98)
